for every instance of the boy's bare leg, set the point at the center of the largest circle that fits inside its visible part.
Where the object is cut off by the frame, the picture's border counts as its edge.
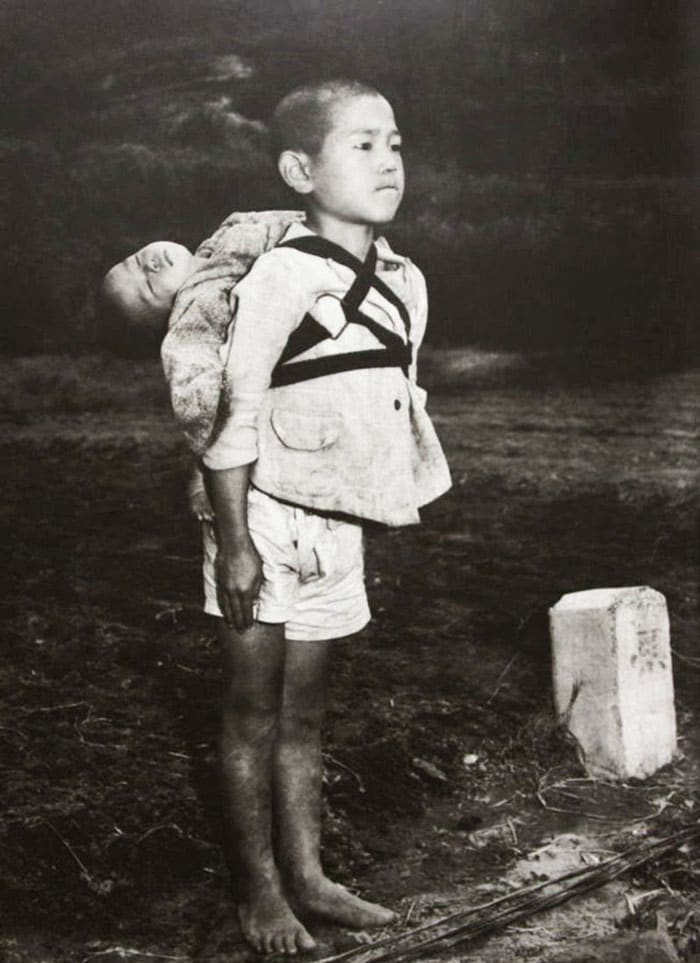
(298, 775)
(253, 666)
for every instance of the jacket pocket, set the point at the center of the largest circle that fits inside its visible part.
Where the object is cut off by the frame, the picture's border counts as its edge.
(306, 431)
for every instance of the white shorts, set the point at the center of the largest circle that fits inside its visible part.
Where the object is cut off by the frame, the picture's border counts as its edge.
(313, 570)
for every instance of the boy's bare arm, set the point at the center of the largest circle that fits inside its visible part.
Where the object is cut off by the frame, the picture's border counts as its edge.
(238, 565)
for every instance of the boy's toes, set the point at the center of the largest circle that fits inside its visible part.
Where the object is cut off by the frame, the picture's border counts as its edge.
(305, 941)
(270, 927)
(255, 940)
(288, 945)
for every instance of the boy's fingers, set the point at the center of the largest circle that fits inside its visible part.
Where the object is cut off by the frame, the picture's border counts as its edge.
(247, 600)
(230, 609)
(238, 604)
(238, 611)
(225, 607)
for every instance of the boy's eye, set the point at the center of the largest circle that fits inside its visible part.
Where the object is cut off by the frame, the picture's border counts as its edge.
(364, 145)
(397, 147)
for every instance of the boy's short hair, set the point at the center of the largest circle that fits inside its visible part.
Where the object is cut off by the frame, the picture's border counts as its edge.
(302, 119)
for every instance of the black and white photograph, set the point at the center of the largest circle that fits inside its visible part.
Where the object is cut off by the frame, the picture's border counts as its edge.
(350, 458)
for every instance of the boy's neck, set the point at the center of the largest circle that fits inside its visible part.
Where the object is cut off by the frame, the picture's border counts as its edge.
(355, 238)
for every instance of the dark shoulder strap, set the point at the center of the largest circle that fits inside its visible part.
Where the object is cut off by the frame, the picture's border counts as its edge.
(322, 247)
(289, 374)
(365, 270)
(393, 353)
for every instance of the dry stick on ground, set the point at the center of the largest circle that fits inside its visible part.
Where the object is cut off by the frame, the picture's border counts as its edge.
(126, 951)
(470, 924)
(501, 678)
(81, 864)
(689, 660)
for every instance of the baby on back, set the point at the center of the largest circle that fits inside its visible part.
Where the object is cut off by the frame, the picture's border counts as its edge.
(164, 289)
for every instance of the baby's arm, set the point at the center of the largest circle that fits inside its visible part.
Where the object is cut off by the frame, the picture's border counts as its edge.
(197, 497)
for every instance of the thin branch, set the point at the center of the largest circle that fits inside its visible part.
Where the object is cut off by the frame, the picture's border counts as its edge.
(125, 951)
(688, 659)
(70, 849)
(66, 705)
(409, 913)
(501, 678)
(573, 812)
(341, 765)
(461, 927)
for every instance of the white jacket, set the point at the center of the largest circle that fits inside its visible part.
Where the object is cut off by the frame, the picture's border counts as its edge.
(359, 442)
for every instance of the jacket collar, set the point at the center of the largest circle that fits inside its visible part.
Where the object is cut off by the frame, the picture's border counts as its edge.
(384, 252)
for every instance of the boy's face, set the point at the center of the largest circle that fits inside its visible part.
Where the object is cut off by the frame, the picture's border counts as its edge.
(357, 176)
(146, 282)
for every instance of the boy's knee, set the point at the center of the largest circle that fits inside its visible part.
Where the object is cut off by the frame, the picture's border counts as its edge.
(301, 720)
(248, 719)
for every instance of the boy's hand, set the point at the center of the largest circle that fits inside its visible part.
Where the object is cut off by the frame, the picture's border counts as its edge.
(238, 567)
(238, 580)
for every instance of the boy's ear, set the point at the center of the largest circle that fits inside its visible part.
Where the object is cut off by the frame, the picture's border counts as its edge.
(295, 170)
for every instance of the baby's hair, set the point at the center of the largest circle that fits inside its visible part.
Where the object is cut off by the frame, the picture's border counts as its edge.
(303, 118)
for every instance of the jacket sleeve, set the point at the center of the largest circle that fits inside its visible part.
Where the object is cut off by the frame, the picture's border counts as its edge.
(419, 317)
(268, 304)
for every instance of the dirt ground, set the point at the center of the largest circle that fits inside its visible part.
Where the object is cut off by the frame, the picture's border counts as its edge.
(444, 765)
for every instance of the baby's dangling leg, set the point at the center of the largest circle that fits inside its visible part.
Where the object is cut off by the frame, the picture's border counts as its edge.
(197, 498)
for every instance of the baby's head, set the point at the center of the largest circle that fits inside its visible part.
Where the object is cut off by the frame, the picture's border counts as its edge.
(143, 286)
(338, 145)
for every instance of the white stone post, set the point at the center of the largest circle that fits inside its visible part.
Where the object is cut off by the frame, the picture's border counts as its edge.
(613, 679)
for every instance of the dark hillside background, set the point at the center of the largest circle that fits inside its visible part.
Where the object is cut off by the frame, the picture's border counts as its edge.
(550, 144)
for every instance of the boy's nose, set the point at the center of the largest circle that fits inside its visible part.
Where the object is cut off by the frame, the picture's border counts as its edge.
(389, 160)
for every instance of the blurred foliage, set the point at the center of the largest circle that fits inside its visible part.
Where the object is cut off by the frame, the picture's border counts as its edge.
(56, 384)
(549, 150)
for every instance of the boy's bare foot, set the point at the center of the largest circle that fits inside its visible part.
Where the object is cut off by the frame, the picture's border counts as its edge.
(269, 925)
(322, 897)
(200, 506)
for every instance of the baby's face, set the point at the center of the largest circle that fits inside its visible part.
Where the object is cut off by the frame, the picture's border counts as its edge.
(147, 281)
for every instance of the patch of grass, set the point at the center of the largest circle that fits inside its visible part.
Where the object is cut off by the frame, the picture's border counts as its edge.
(56, 384)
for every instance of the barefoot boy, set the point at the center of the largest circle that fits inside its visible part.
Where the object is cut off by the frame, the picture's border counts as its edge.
(327, 428)
(324, 427)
